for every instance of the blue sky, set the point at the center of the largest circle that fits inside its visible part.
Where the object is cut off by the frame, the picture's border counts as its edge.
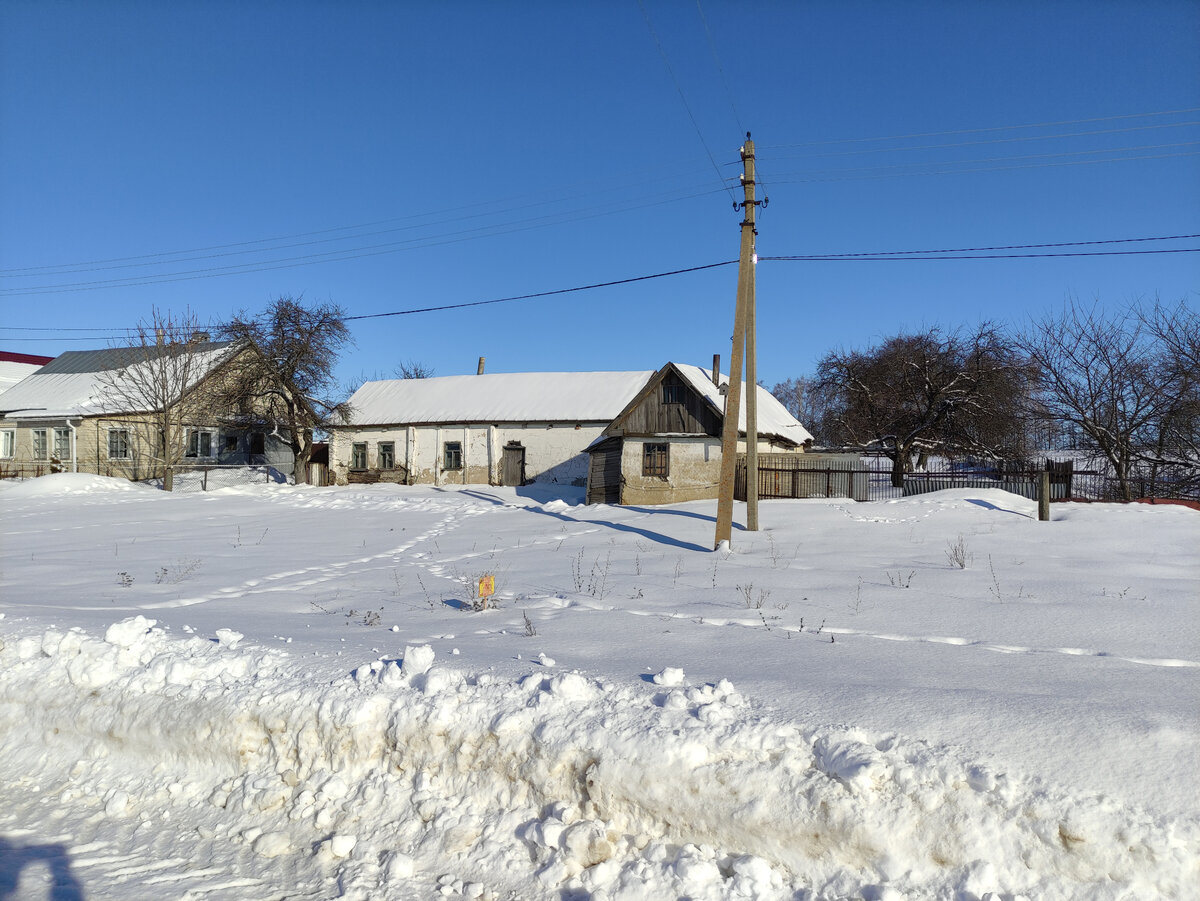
(392, 156)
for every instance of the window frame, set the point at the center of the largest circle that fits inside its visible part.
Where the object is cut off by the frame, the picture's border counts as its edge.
(452, 463)
(656, 459)
(8, 437)
(358, 456)
(61, 434)
(385, 455)
(122, 436)
(194, 436)
(673, 393)
(39, 447)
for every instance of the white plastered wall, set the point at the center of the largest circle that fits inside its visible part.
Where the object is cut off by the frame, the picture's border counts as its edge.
(554, 452)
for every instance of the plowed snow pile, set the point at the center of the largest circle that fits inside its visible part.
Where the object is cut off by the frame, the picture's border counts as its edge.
(143, 757)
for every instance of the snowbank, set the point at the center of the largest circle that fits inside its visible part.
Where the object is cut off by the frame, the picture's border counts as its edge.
(406, 773)
(65, 483)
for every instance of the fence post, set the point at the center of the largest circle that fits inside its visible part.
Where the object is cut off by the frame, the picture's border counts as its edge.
(1044, 497)
(204, 479)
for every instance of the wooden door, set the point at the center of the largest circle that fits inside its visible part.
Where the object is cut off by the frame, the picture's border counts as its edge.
(512, 466)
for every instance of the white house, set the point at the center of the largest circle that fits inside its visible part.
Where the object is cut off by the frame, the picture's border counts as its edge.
(497, 428)
(546, 427)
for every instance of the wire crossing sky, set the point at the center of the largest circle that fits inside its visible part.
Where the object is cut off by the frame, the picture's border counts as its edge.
(549, 185)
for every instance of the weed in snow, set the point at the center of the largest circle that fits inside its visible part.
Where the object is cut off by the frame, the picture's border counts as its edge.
(957, 553)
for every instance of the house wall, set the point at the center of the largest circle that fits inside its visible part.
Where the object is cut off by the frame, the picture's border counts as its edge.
(554, 452)
(694, 471)
(693, 474)
(90, 446)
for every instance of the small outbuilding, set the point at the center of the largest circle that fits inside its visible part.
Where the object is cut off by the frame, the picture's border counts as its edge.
(665, 445)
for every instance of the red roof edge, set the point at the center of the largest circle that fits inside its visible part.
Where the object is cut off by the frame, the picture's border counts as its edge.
(9, 357)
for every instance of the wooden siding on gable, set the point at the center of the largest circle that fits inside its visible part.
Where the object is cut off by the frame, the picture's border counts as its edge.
(651, 414)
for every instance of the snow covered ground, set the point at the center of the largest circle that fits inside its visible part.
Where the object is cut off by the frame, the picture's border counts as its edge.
(281, 692)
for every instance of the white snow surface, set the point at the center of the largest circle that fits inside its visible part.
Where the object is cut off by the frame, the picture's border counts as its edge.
(288, 692)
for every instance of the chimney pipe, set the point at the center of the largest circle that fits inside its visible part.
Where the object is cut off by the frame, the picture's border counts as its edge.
(716, 373)
(480, 371)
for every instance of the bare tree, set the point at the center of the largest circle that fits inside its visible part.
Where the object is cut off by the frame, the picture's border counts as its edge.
(286, 377)
(1123, 380)
(153, 385)
(934, 391)
(1176, 332)
(804, 397)
(413, 369)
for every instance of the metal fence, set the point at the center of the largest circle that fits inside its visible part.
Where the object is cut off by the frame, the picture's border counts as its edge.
(212, 477)
(870, 479)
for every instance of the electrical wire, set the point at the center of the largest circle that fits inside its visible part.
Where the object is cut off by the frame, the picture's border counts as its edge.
(712, 47)
(1077, 134)
(890, 253)
(1002, 256)
(956, 253)
(807, 179)
(330, 256)
(667, 62)
(645, 176)
(969, 131)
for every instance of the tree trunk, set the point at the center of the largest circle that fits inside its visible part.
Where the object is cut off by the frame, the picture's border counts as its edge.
(898, 470)
(300, 464)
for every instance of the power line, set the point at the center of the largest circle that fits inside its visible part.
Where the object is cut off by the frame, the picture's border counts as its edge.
(1030, 156)
(863, 256)
(880, 171)
(651, 176)
(888, 253)
(712, 47)
(1075, 134)
(451, 306)
(332, 256)
(480, 303)
(1002, 256)
(969, 131)
(679, 88)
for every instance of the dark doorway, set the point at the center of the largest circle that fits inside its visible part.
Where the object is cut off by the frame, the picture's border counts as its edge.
(512, 466)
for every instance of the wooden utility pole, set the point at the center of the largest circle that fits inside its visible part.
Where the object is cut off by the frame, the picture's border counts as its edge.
(733, 394)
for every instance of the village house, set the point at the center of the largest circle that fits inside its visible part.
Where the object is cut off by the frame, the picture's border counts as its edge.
(665, 444)
(81, 413)
(594, 429)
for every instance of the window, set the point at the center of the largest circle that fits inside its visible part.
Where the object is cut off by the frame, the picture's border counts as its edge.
(118, 444)
(199, 443)
(358, 456)
(40, 449)
(673, 394)
(229, 446)
(8, 440)
(452, 455)
(656, 460)
(62, 444)
(387, 455)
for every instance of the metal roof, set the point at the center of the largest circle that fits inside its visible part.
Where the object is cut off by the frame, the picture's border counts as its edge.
(74, 384)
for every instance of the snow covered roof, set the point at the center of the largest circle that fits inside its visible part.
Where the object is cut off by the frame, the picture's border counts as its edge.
(497, 397)
(75, 384)
(541, 397)
(14, 367)
(773, 417)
